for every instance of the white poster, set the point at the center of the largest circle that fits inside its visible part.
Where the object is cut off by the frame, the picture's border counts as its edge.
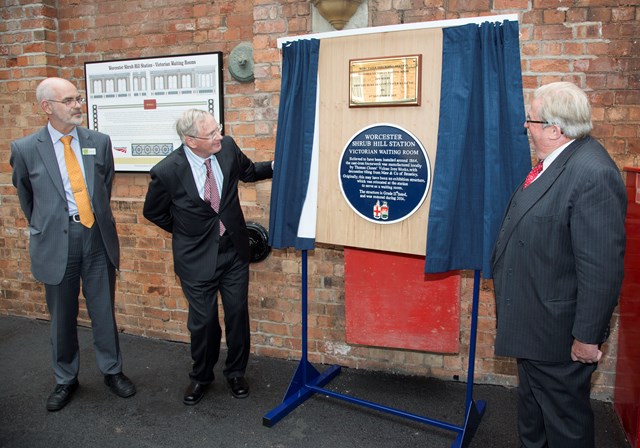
(137, 101)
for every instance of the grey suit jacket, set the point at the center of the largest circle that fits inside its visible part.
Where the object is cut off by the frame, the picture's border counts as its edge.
(558, 259)
(37, 177)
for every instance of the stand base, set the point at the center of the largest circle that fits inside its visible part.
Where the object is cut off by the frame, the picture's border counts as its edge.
(305, 377)
(471, 423)
(307, 381)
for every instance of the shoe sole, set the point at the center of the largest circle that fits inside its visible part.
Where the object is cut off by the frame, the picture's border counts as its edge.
(57, 408)
(192, 402)
(239, 395)
(126, 395)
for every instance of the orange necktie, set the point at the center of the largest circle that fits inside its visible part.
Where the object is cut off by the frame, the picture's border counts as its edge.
(80, 193)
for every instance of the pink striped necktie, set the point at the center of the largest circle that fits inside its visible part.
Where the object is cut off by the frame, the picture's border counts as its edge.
(535, 171)
(211, 193)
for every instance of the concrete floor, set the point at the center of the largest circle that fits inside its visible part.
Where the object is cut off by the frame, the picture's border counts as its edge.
(155, 416)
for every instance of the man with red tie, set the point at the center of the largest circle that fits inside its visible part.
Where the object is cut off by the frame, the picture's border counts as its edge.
(558, 267)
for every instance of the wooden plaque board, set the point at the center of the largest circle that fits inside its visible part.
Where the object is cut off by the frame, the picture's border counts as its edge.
(337, 223)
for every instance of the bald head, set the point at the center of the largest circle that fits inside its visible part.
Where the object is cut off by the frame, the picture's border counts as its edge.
(50, 87)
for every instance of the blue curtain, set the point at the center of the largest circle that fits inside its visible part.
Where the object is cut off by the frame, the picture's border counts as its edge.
(483, 151)
(294, 142)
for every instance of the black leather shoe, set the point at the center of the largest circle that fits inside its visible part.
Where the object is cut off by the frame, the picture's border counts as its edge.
(194, 393)
(239, 387)
(120, 385)
(60, 396)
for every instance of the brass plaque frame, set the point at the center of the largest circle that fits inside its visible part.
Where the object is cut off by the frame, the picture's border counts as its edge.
(388, 81)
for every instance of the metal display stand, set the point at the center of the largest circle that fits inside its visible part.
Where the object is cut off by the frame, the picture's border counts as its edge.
(307, 380)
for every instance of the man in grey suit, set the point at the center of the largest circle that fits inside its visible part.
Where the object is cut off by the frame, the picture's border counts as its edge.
(558, 267)
(63, 249)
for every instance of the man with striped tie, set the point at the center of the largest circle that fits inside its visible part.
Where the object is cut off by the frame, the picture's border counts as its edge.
(558, 267)
(193, 194)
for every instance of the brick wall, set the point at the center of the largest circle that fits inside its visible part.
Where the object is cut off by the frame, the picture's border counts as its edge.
(593, 44)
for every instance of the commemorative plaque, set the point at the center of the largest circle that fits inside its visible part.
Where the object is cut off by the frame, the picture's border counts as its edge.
(393, 81)
(384, 173)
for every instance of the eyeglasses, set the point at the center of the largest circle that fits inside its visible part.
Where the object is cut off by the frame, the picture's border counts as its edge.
(69, 101)
(529, 120)
(211, 136)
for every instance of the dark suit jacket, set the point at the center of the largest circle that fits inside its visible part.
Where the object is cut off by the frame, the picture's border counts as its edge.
(173, 204)
(558, 259)
(36, 175)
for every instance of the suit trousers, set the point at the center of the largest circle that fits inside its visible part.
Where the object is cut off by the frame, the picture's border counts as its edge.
(231, 279)
(87, 262)
(554, 405)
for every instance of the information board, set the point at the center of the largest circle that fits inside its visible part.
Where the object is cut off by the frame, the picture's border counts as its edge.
(137, 102)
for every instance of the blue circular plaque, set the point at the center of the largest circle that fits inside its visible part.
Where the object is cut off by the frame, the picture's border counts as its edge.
(384, 173)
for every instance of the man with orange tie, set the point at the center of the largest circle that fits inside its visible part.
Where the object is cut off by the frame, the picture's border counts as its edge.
(63, 174)
(557, 267)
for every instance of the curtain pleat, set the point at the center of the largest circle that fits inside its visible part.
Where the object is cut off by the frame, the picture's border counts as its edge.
(483, 151)
(294, 143)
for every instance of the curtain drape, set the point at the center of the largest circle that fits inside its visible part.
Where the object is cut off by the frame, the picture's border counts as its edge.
(294, 144)
(483, 151)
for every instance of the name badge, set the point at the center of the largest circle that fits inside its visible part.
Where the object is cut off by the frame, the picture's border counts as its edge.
(88, 151)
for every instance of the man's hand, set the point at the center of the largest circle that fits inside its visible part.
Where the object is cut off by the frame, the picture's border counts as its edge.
(585, 353)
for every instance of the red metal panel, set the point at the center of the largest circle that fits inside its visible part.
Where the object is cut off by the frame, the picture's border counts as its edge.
(390, 302)
(627, 390)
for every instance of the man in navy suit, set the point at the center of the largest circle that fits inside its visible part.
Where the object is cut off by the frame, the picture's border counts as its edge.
(63, 249)
(558, 267)
(210, 241)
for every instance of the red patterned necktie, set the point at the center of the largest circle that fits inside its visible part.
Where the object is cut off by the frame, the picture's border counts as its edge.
(211, 193)
(532, 174)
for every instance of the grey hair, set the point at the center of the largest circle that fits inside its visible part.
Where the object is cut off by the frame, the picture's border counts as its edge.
(187, 124)
(565, 105)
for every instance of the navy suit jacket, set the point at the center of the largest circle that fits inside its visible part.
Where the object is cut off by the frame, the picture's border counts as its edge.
(173, 203)
(36, 175)
(558, 259)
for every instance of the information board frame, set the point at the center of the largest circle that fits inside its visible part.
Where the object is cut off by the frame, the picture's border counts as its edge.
(137, 101)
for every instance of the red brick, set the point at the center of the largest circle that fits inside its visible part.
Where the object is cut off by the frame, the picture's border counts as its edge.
(623, 14)
(552, 16)
(549, 65)
(623, 131)
(577, 15)
(588, 31)
(627, 97)
(551, 49)
(599, 14)
(552, 32)
(510, 4)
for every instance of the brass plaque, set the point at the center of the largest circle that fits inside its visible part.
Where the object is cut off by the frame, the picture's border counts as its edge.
(389, 81)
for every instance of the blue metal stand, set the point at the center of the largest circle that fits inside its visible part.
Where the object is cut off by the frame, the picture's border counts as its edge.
(307, 380)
